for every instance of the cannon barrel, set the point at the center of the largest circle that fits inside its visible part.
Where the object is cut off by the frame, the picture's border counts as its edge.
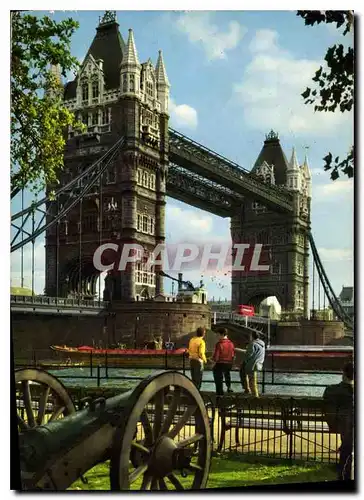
(55, 454)
(39, 445)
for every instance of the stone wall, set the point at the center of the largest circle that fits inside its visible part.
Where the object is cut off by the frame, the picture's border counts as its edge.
(313, 332)
(174, 320)
(177, 321)
(36, 332)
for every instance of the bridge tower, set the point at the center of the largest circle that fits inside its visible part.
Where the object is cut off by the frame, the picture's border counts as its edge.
(284, 235)
(115, 96)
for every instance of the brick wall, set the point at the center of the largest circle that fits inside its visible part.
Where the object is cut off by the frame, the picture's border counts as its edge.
(309, 332)
(178, 321)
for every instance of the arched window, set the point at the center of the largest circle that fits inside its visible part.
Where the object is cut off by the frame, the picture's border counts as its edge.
(85, 92)
(132, 83)
(125, 83)
(95, 89)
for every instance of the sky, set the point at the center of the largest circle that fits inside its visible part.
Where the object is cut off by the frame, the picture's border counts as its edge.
(235, 75)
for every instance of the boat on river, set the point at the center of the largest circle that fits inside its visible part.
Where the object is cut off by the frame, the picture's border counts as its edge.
(153, 358)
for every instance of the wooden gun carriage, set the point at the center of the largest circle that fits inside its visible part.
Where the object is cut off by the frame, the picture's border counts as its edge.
(156, 436)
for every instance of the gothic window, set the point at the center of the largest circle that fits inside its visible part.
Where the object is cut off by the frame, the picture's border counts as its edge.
(145, 224)
(132, 83)
(125, 83)
(138, 277)
(95, 89)
(155, 121)
(95, 118)
(151, 226)
(139, 222)
(145, 179)
(85, 92)
(151, 181)
(150, 89)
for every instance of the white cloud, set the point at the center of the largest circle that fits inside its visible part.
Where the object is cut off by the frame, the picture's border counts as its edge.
(335, 254)
(183, 115)
(186, 223)
(271, 89)
(199, 28)
(334, 189)
(263, 40)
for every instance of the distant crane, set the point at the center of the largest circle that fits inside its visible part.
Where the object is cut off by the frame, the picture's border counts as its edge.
(187, 283)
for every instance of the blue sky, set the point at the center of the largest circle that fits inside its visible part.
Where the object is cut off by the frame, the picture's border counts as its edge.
(234, 76)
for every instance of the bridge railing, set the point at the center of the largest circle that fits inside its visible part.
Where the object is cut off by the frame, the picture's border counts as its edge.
(57, 301)
(237, 318)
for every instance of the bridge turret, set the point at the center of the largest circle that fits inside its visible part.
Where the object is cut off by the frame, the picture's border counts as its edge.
(163, 84)
(130, 69)
(293, 173)
(306, 172)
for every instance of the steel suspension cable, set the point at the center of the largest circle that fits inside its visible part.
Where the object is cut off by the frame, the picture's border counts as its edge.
(22, 248)
(80, 254)
(313, 286)
(33, 259)
(112, 152)
(57, 252)
(100, 225)
(319, 286)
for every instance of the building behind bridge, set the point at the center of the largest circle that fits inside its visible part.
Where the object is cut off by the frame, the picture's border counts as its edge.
(346, 299)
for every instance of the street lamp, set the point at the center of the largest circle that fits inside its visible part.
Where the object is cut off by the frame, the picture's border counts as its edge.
(136, 332)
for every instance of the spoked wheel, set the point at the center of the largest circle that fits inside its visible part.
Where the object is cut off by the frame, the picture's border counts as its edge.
(163, 441)
(40, 398)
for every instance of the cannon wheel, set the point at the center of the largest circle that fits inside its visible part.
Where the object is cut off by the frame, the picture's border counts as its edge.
(49, 391)
(162, 452)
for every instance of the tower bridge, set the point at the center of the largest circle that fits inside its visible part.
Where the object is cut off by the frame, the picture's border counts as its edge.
(119, 171)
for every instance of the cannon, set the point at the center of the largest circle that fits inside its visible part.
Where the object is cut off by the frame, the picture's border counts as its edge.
(156, 436)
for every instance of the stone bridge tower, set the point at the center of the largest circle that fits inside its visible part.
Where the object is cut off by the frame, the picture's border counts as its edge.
(284, 236)
(114, 95)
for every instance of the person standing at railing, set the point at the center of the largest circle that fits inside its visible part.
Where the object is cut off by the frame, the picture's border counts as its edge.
(197, 356)
(339, 411)
(252, 363)
(223, 357)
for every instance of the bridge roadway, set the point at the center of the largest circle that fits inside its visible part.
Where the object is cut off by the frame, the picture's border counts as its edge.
(229, 178)
(237, 318)
(60, 305)
(57, 305)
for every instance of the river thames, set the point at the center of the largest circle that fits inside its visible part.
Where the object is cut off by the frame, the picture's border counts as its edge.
(313, 384)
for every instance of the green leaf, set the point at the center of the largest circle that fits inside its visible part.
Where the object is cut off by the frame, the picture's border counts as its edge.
(334, 175)
(306, 93)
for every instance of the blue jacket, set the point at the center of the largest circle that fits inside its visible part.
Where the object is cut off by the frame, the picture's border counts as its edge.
(254, 356)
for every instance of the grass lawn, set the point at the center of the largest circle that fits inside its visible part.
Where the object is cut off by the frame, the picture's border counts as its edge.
(232, 471)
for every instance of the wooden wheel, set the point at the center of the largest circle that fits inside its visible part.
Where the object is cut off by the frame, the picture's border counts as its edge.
(40, 398)
(163, 441)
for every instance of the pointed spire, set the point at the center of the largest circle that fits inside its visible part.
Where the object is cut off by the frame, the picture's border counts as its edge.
(130, 56)
(306, 168)
(160, 71)
(293, 164)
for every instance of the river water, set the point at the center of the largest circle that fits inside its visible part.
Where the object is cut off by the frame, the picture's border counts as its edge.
(313, 384)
